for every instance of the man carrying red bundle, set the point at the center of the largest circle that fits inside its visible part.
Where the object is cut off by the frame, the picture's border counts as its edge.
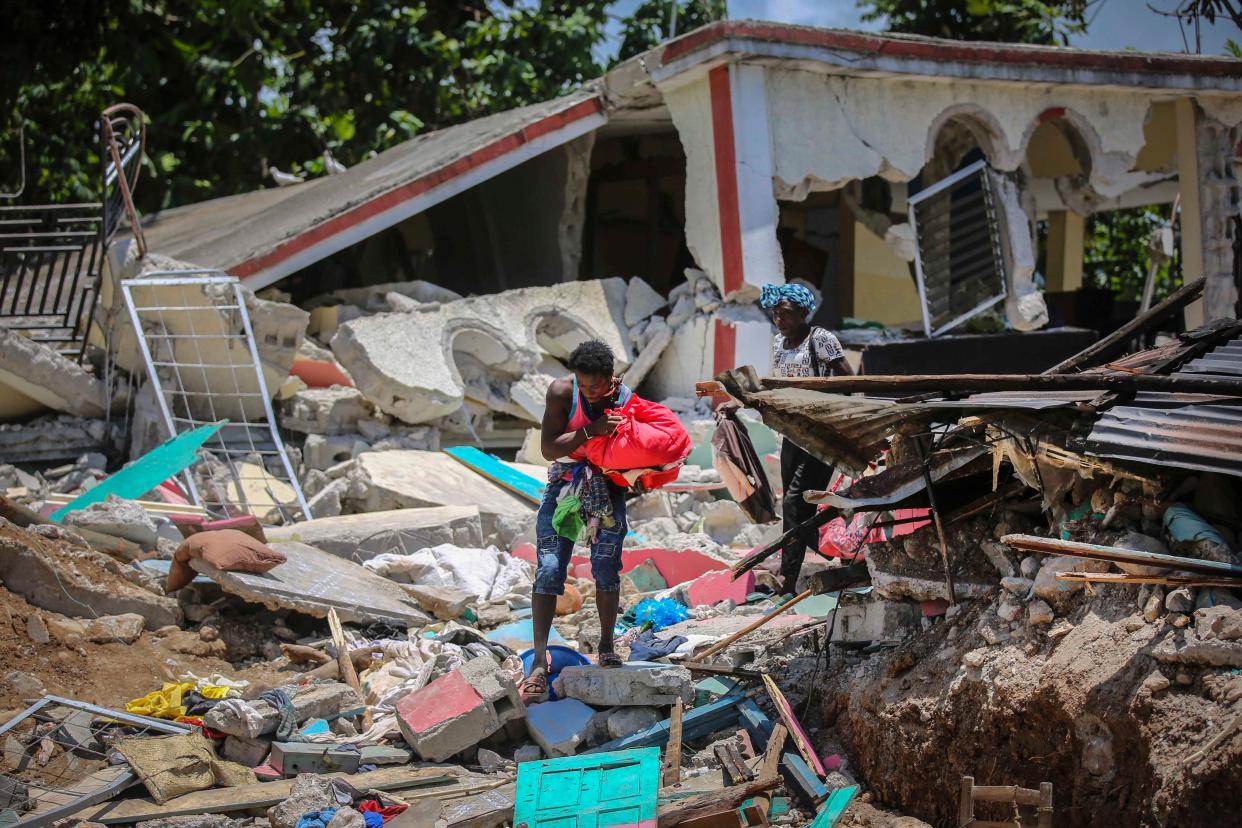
(600, 438)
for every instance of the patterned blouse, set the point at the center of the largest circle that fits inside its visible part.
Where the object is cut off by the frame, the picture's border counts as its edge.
(796, 361)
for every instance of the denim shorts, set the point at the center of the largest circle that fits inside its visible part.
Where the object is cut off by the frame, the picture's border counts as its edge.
(554, 552)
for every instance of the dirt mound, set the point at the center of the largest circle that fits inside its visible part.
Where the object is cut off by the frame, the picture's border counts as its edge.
(105, 674)
(1082, 705)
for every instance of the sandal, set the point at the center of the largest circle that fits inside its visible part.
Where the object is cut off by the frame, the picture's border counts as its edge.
(610, 660)
(533, 689)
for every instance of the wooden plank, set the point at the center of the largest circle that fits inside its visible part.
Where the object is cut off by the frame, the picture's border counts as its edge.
(1005, 793)
(1122, 578)
(495, 470)
(994, 383)
(157, 507)
(730, 758)
(798, 776)
(716, 802)
(1113, 554)
(771, 764)
(1116, 342)
(672, 756)
(749, 628)
(257, 795)
(795, 729)
(834, 808)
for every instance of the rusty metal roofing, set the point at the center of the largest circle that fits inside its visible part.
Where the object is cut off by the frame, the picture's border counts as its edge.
(1188, 431)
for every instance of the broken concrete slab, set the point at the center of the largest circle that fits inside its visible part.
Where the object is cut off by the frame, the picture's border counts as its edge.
(1055, 592)
(444, 602)
(641, 301)
(630, 720)
(61, 437)
(52, 575)
(35, 377)
(323, 451)
(872, 618)
(259, 718)
(362, 537)
(636, 684)
(414, 479)
(458, 710)
(117, 517)
(333, 410)
(314, 582)
(559, 727)
(408, 362)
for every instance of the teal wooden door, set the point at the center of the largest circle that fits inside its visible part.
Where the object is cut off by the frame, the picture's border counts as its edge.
(600, 790)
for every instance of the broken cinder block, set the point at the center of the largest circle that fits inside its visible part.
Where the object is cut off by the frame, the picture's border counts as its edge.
(459, 709)
(637, 684)
(560, 726)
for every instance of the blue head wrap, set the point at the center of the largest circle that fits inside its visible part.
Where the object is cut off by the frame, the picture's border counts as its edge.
(800, 295)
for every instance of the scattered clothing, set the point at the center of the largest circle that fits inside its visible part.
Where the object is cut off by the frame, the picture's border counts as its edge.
(166, 703)
(316, 819)
(371, 806)
(287, 729)
(734, 456)
(648, 648)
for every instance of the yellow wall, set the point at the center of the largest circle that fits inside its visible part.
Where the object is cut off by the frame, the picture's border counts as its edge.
(884, 290)
(1160, 150)
(1050, 154)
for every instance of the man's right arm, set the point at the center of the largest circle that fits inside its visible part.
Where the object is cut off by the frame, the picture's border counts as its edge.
(554, 443)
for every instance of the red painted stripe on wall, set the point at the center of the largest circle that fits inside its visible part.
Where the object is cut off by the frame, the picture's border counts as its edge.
(391, 198)
(726, 178)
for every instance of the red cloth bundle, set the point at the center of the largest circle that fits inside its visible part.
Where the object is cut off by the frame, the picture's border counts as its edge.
(649, 437)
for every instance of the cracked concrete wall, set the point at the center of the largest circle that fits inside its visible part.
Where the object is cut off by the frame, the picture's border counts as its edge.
(1216, 139)
(573, 212)
(888, 127)
(691, 109)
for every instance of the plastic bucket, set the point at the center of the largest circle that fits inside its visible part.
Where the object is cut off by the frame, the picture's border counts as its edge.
(559, 657)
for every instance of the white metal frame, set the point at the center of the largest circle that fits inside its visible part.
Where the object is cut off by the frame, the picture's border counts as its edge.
(175, 425)
(92, 797)
(923, 195)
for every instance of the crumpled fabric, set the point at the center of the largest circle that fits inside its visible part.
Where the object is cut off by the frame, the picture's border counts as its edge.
(216, 685)
(370, 806)
(287, 727)
(487, 574)
(316, 819)
(253, 721)
(770, 295)
(648, 648)
(165, 703)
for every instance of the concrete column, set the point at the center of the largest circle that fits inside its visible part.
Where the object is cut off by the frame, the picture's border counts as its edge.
(1209, 201)
(731, 211)
(1065, 237)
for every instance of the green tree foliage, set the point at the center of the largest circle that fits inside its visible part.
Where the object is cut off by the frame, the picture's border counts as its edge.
(1005, 21)
(1116, 256)
(232, 87)
(652, 22)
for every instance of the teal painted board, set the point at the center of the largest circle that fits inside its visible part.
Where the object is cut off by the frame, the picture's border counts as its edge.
(830, 814)
(603, 790)
(492, 468)
(148, 471)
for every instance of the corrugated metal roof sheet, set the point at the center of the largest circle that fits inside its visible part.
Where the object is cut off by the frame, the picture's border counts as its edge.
(1188, 431)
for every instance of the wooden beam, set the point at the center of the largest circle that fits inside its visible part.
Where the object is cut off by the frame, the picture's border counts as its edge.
(1113, 554)
(813, 522)
(256, 795)
(1117, 342)
(749, 628)
(672, 755)
(987, 383)
(771, 763)
(1122, 579)
(795, 729)
(713, 803)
